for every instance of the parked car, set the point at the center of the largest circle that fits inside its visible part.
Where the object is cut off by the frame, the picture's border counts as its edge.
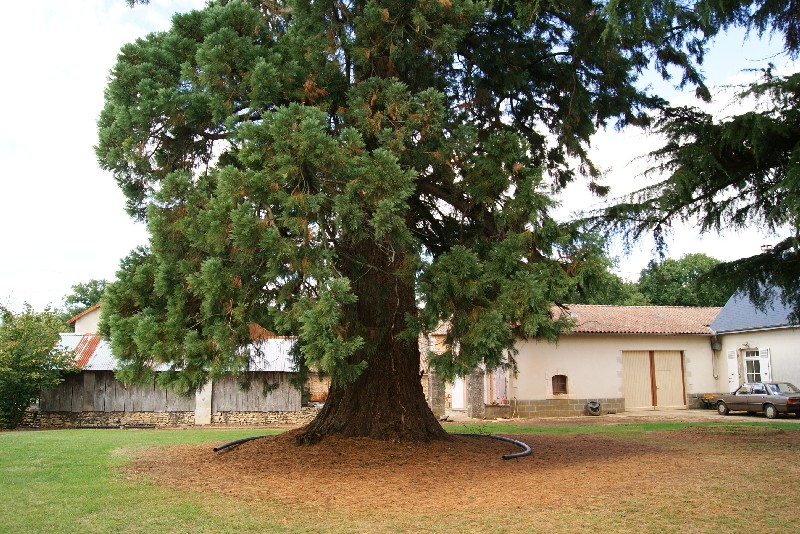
(771, 398)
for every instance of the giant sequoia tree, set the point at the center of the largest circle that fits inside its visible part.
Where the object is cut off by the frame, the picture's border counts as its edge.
(353, 171)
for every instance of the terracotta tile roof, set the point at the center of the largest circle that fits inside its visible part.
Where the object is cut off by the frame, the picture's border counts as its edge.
(84, 312)
(659, 320)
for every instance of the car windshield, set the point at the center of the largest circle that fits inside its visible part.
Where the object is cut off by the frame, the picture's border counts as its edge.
(782, 387)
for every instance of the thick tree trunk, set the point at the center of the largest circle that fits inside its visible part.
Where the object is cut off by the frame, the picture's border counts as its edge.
(386, 401)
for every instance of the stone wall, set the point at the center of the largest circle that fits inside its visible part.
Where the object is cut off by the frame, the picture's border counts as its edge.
(436, 398)
(298, 418)
(563, 407)
(497, 411)
(317, 386)
(114, 419)
(163, 419)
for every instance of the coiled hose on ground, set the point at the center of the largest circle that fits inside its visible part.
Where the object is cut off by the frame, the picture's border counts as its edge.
(526, 450)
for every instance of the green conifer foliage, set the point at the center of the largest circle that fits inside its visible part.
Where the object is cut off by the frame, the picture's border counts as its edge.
(354, 172)
(738, 171)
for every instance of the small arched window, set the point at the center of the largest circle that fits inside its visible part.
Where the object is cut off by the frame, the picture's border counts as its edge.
(559, 384)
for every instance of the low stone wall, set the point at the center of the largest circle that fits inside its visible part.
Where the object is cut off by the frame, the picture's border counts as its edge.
(163, 419)
(302, 417)
(497, 411)
(563, 407)
(78, 419)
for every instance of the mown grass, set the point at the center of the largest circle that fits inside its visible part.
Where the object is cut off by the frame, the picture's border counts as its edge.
(68, 481)
(71, 481)
(615, 429)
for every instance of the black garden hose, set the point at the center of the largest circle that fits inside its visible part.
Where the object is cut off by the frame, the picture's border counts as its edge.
(236, 442)
(526, 450)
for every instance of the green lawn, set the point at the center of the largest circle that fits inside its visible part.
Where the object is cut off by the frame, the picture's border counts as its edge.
(615, 429)
(67, 481)
(70, 481)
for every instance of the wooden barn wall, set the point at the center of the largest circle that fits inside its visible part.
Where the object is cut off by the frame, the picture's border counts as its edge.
(228, 395)
(67, 397)
(99, 391)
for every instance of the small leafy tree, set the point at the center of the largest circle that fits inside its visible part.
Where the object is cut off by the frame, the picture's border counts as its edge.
(30, 360)
(689, 281)
(84, 296)
(595, 283)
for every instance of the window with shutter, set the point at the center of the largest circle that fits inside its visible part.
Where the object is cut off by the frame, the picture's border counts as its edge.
(559, 384)
(733, 371)
(766, 365)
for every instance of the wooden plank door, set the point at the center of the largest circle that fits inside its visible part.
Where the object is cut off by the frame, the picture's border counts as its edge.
(653, 379)
(636, 379)
(668, 367)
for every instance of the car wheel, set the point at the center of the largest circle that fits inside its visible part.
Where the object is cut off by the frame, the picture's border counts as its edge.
(770, 411)
(722, 408)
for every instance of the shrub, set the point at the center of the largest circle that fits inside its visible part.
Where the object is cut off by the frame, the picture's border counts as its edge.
(31, 360)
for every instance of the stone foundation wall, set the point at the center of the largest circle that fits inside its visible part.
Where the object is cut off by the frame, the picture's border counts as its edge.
(78, 419)
(497, 411)
(163, 419)
(563, 407)
(299, 418)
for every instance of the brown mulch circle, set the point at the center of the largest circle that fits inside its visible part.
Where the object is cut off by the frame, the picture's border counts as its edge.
(347, 473)
(465, 473)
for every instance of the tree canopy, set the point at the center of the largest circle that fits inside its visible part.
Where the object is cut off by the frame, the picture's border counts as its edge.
(356, 171)
(688, 281)
(83, 296)
(595, 283)
(737, 171)
(30, 360)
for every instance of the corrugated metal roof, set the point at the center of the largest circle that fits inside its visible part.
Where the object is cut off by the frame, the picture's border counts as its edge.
(93, 353)
(655, 320)
(272, 354)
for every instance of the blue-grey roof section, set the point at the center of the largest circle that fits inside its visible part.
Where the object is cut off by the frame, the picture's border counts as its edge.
(741, 315)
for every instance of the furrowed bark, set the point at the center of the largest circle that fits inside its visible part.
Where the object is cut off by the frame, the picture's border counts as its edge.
(386, 401)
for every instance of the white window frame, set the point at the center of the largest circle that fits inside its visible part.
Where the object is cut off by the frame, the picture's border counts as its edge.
(757, 366)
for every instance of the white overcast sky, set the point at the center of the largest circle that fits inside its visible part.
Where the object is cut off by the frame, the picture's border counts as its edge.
(62, 219)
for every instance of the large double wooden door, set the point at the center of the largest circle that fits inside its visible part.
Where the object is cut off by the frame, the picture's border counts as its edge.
(653, 379)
